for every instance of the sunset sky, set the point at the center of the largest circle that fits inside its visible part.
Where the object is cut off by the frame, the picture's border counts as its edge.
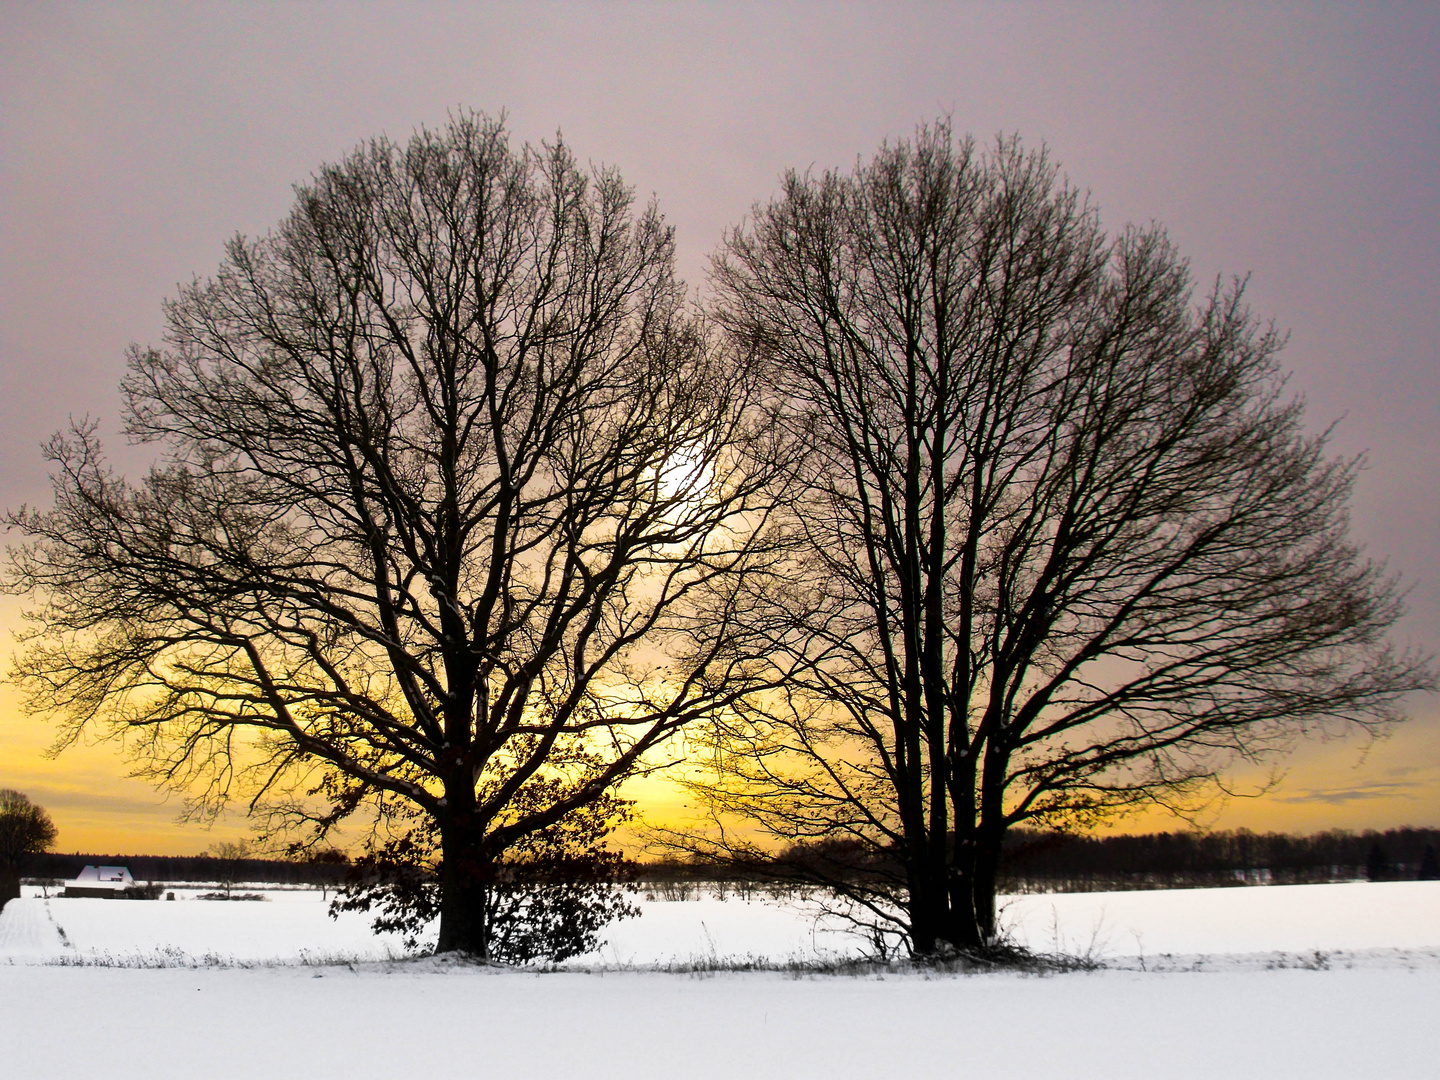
(1297, 145)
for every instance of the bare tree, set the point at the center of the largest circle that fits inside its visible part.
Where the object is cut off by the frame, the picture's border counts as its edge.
(451, 512)
(25, 830)
(1067, 546)
(230, 857)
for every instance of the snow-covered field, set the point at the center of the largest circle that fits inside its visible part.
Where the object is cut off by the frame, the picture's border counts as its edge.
(1312, 981)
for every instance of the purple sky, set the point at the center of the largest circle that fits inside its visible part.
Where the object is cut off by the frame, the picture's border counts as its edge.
(1298, 145)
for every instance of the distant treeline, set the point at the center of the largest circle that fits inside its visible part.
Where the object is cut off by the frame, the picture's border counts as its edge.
(208, 868)
(1067, 863)
(1034, 861)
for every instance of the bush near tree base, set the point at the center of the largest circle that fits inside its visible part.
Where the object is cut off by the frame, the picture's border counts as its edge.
(548, 899)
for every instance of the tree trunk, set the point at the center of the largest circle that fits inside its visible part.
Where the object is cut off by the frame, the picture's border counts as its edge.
(926, 911)
(989, 838)
(464, 890)
(943, 908)
(987, 867)
(9, 885)
(963, 929)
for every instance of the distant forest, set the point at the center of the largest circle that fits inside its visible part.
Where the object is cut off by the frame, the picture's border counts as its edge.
(329, 871)
(1040, 861)
(1056, 862)
(1034, 862)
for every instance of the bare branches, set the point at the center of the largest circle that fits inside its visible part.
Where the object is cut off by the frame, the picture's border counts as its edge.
(1067, 545)
(412, 521)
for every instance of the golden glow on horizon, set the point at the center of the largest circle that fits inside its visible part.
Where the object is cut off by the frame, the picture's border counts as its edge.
(1341, 784)
(97, 809)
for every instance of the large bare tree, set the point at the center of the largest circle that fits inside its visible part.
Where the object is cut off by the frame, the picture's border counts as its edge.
(450, 515)
(1068, 547)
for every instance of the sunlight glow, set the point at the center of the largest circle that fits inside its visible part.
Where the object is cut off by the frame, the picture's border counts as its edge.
(684, 473)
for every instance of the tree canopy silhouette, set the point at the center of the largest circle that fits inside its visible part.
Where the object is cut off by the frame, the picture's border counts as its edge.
(25, 831)
(449, 516)
(1067, 547)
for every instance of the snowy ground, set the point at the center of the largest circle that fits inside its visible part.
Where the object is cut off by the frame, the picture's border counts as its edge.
(1360, 920)
(1312, 981)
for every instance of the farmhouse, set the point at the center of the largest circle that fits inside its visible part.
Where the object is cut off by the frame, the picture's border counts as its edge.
(106, 882)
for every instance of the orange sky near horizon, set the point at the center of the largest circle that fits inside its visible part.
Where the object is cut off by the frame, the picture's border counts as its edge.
(1339, 784)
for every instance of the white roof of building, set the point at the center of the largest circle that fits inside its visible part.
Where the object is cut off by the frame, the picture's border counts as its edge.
(117, 877)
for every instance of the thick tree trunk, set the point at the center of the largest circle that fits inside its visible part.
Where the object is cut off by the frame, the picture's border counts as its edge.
(963, 931)
(943, 910)
(9, 885)
(989, 838)
(987, 866)
(927, 914)
(464, 890)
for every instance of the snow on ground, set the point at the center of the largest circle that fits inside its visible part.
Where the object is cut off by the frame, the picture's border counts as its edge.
(1358, 915)
(1367, 1007)
(289, 926)
(425, 1020)
(708, 930)
(293, 925)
